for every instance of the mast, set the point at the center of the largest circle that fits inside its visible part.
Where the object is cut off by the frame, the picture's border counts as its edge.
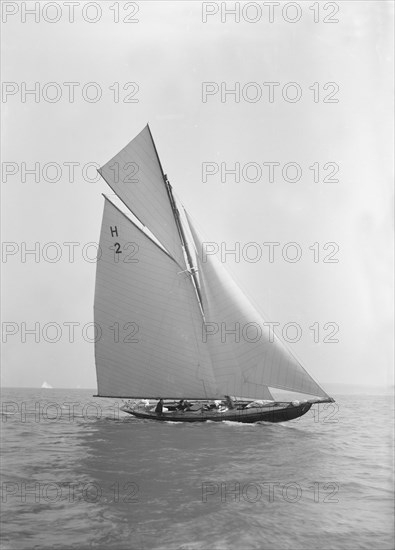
(191, 268)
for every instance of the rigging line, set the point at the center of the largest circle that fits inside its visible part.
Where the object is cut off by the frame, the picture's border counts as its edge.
(192, 268)
(156, 151)
(177, 219)
(155, 398)
(198, 349)
(167, 186)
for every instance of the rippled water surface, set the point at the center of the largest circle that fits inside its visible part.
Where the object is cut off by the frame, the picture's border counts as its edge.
(78, 473)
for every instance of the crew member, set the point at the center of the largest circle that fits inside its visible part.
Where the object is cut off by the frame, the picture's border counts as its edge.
(159, 407)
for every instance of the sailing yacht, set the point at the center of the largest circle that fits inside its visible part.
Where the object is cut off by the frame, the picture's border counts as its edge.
(158, 300)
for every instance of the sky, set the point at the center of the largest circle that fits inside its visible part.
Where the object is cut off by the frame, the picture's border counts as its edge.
(175, 67)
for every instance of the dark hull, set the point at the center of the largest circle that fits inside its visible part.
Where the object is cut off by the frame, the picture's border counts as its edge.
(262, 414)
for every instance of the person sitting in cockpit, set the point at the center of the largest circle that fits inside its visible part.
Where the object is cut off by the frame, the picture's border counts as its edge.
(180, 405)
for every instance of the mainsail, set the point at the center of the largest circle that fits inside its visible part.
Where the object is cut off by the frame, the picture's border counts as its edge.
(152, 308)
(147, 317)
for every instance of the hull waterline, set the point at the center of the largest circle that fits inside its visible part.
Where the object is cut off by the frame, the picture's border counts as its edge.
(248, 416)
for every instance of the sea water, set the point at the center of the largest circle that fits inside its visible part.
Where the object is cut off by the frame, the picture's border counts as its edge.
(79, 473)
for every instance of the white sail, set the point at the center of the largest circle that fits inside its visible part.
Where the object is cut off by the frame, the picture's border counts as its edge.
(136, 176)
(245, 362)
(169, 322)
(147, 317)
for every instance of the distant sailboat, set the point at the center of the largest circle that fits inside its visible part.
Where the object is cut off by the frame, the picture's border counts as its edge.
(155, 296)
(46, 385)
